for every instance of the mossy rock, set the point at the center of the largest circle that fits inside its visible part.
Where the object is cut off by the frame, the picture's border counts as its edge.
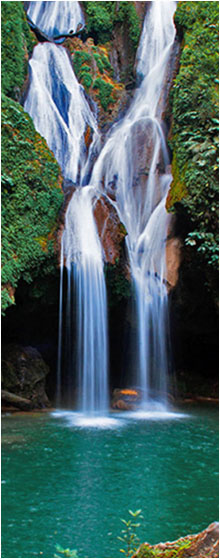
(94, 71)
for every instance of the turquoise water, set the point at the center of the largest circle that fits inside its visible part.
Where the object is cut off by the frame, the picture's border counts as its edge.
(67, 484)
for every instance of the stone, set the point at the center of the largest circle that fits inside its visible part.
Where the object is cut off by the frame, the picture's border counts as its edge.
(125, 399)
(23, 377)
(121, 405)
(15, 401)
(205, 544)
(173, 261)
(110, 229)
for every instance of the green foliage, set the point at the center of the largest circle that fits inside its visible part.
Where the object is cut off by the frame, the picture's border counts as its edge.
(17, 42)
(102, 17)
(65, 552)
(100, 20)
(195, 128)
(128, 533)
(127, 15)
(105, 90)
(103, 63)
(31, 199)
(80, 58)
(83, 67)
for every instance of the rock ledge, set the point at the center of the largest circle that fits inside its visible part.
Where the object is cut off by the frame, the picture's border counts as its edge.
(205, 544)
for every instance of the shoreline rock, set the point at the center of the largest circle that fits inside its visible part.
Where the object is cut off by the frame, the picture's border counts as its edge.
(204, 544)
(23, 378)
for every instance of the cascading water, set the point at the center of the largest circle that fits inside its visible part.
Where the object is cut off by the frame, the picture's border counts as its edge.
(55, 18)
(58, 107)
(84, 265)
(141, 203)
(61, 114)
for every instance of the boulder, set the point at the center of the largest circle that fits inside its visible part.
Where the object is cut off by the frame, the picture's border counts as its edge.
(23, 377)
(125, 399)
(205, 544)
(9, 399)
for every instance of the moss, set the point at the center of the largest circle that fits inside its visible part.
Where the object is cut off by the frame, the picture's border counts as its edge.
(17, 43)
(31, 199)
(178, 187)
(177, 549)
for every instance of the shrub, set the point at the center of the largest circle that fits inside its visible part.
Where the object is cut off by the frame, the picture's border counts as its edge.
(31, 199)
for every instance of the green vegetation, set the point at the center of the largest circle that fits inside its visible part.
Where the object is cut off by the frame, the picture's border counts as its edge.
(174, 550)
(31, 199)
(103, 16)
(194, 139)
(128, 534)
(94, 71)
(17, 43)
(102, 63)
(105, 90)
(81, 57)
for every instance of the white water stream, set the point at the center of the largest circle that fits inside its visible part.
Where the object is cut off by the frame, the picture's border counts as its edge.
(141, 203)
(61, 114)
(55, 18)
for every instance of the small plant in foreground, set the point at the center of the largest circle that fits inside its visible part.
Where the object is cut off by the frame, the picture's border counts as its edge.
(65, 552)
(128, 534)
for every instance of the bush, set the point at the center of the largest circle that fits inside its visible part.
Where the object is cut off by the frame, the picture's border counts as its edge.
(31, 199)
(102, 17)
(194, 139)
(17, 43)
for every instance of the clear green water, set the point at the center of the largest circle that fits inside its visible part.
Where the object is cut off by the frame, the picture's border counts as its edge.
(70, 485)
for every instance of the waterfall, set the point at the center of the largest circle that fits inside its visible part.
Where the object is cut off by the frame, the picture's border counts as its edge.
(58, 106)
(84, 265)
(140, 197)
(133, 170)
(55, 18)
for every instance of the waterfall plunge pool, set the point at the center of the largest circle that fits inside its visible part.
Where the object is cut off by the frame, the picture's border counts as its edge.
(65, 482)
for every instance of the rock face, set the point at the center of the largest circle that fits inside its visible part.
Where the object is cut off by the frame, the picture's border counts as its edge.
(23, 378)
(173, 261)
(111, 230)
(205, 544)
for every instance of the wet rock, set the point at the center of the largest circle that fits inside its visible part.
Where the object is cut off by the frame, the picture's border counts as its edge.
(205, 544)
(110, 229)
(125, 399)
(9, 399)
(23, 377)
(173, 261)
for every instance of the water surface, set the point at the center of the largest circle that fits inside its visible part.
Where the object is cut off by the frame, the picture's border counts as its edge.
(71, 484)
